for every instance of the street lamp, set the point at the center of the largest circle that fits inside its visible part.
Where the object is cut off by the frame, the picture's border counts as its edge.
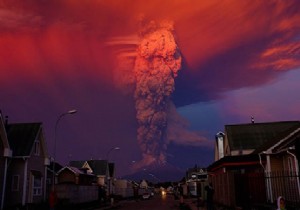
(73, 111)
(109, 151)
(107, 155)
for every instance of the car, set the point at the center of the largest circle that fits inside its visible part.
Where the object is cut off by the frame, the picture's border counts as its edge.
(146, 195)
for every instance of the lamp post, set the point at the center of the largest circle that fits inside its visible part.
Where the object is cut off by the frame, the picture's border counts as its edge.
(111, 149)
(107, 156)
(73, 111)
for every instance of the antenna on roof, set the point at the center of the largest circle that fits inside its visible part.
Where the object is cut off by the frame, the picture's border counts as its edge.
(252, 119)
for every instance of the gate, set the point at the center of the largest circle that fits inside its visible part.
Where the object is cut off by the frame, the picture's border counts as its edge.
(250, 189)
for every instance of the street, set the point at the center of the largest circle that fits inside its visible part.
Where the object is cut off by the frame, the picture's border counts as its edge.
(157, 202)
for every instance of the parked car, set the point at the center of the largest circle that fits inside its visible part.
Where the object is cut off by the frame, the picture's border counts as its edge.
(146, 195)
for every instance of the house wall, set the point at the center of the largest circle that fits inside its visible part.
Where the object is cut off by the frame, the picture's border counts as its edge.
(15, 167)
(276, 162)
(35, 163)
(2, 162)
(2, 167)
(223, 184)
(66, 176)
(243, 152)
(227, 150)
(101, 180)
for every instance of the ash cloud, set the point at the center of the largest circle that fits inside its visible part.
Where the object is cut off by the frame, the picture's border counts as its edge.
(157, 64)
(146, 67)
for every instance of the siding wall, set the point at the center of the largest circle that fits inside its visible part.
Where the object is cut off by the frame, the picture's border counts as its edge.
(2, 162)
(276, 163)
(67, 176)
(35, 163)
(16, 167)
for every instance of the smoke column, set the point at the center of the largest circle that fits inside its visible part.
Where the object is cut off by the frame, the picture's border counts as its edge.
(157, 63)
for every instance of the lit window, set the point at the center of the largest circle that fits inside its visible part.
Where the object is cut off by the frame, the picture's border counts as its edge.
(15, 183)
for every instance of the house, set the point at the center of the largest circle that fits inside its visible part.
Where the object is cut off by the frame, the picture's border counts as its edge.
(249, 156)
(101, 168)
(27, 169)
(73, 175)
(5, 155)
(196, 180)
(76, 185)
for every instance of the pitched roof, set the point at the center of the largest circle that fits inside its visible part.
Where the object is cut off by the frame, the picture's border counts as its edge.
(99, 167)
(77, 163)
(57, 167)
(77, 171)
(258, 135)
(3, 136)
(21, 137)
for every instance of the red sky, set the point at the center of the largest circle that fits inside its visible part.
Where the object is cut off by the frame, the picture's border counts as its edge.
(55, 55)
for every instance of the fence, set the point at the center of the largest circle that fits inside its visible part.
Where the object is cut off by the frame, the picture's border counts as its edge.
(76, 193)
(286, 184)
(250, 189)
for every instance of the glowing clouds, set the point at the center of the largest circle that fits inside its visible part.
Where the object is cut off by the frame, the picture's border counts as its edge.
(157, 63)
(281, 57)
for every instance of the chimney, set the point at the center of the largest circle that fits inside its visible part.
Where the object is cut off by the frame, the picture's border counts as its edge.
(220, 145)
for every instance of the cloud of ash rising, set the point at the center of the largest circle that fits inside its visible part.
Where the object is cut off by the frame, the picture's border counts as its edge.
(156, 66)
(152, 62)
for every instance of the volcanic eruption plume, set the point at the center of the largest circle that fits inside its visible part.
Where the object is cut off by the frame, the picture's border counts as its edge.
(147, 67)
(157, 63)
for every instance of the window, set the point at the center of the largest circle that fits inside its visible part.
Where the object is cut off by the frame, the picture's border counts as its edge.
(37, 185)
(15, 183)
(37, 148)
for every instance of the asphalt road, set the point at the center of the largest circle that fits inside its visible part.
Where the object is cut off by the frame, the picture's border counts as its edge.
(158, 202)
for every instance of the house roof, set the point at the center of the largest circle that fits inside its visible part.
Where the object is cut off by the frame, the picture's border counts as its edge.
(99, 167)
(74, 170)
(3, 136)
(258, 136)
(57, 167)
(77, 163)
(21, 137)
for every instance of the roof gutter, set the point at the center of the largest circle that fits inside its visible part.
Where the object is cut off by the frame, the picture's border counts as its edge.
(297, 169)
(282, 140)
